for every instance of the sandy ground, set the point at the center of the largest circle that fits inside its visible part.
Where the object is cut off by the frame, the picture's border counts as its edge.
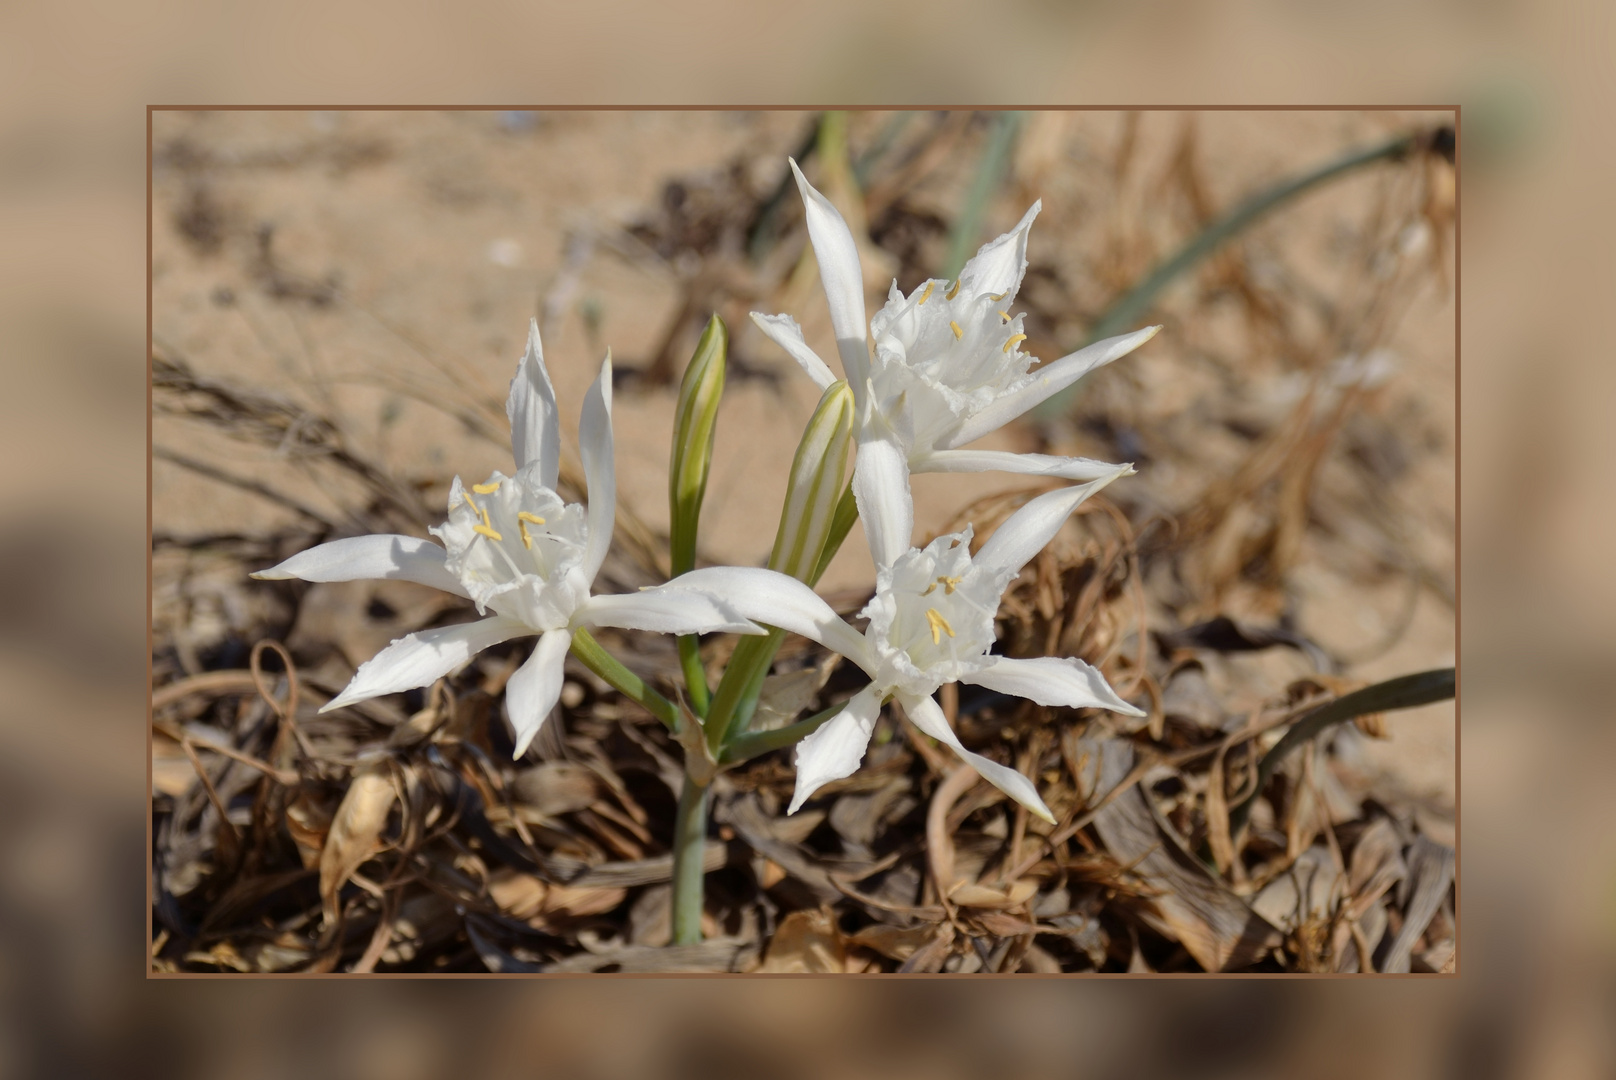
(425, 241)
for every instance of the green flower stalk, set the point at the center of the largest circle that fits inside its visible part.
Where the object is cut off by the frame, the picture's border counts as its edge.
(695, 421)
(809, 522)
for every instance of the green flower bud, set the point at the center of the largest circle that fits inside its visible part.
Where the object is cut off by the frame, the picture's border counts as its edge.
(818, 475)
(697, 416)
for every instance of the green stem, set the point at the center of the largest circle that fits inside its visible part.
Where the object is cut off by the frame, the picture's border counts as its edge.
(695, 674)
(1404, 692)
(1129, 310)
(750, 745)
(738, 690)
(625, 682)
(732, 707)
(689, 847)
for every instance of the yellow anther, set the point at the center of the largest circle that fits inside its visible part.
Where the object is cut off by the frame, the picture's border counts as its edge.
(999, 297)
(930, 285)
(949, 584)
(939, 626)
(486, 489)
(930, 589)
(475, 509)
(1012, 342)
(523, 515)
(954, 291)
(1005, 315)
(521, 527)
(958, 333)
(486, 531)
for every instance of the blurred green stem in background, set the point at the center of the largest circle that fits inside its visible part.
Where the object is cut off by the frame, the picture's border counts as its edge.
(1131, 308)
(990, 172)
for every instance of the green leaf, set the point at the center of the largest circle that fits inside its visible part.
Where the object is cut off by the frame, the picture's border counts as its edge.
(1403, 692)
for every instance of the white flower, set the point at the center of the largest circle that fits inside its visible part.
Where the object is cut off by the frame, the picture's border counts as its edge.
(948, 366)
(931, 622)
(514, 548)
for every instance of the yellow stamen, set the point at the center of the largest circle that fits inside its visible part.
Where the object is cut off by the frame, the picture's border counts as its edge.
(930, 589)
(999, 297)
(1012, 342)
(523, 515)
(521, 527)
(1005, 315)
(939, 626)
(930, 285)
(949, 584)
(475, 509)
(958, 333)
(954, 291)
(486, 531)
(486, 489)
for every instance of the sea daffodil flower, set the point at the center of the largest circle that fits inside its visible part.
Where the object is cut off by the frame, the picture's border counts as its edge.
(515, 549)
(930, 622)
(948, 366)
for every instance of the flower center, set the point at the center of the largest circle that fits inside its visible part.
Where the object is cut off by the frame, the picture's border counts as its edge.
(513, 543)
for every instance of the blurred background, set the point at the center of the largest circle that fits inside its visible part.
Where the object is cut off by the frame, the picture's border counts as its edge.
(1539, 879)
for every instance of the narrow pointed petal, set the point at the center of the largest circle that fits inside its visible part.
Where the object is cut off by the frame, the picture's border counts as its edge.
(1052, 680)
(843, 279)
(784, 332)
(533, 691)
(531, 406)
(835, 750)
(1063, 468)
(775, 599)
(1048, 380)
(926, 715)
(881, 487)
(422, 658)
(998, 266)
(665, 610)
(1025, 532)
(600, 472)
(368, 558)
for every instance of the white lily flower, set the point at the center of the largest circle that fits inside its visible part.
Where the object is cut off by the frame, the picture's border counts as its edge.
(931, 622)
(514, 548)
(948, 366)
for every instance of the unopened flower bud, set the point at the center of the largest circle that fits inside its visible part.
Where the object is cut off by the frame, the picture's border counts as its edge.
(694, 422)
(818, 475)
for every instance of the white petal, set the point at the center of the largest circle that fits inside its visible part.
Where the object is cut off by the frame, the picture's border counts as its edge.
(1052, 680)
(784, 332)
(531, 406)
(1064, 468)
(1052, 377)
(881, 488)
(1025, 532)
(595, 446)
(836, 749)
(665, 610)
(420, 659)
(926, 715)
(773, 598)
(366, 558)
(843, 279)
(998, 266)
(536, 687)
